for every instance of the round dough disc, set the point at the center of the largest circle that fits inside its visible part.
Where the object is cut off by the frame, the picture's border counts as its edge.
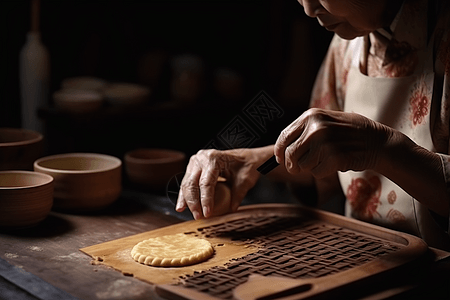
(172, 251)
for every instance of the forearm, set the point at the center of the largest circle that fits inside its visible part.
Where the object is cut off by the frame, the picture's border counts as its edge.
(417, 171)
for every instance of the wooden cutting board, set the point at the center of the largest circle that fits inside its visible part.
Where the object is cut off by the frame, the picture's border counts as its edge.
(278, 246)
(116, 253)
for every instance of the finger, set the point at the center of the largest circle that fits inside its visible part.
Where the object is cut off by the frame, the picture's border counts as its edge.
(308, 156)
(298, 151)
(328, 160)
(181, 203)
(207, 183)
(286, 137)
(321, 154)
(191, 192)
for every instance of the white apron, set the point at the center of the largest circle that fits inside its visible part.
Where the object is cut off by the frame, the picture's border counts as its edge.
(370, 196)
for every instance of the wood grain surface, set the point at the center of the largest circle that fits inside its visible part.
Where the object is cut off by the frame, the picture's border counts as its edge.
(51, 252)
(51, 249)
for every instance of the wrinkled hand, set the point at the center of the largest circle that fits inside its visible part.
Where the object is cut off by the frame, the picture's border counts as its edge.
(324, 142)
(204, 168)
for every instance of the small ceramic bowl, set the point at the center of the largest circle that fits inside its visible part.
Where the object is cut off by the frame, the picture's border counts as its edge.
(153, 168)
(26, 198)
(84, 83)
(78, 101)
(83, 181)
(19, 148)
(120, 94)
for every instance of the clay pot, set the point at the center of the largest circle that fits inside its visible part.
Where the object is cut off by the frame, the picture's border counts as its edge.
(84, 83)
(84, 182)
(153, 168)
(26, 198)
(125, 94)
(19, 148)
(78, 101)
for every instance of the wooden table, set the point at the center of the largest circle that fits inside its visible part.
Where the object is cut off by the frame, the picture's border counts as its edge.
(50, 251)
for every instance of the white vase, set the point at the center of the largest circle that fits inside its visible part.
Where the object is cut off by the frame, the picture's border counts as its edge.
(34, 80)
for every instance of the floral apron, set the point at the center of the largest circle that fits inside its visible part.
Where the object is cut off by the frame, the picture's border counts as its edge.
(403, 103)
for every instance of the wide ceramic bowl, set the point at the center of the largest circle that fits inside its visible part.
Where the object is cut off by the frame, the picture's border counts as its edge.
(26, 198)
(19, 148)
(153, 168)
(83, 181)
(126, 94)
(78, 101)
(84, 83)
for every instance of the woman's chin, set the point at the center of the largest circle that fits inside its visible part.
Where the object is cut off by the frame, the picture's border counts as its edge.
(350, 34)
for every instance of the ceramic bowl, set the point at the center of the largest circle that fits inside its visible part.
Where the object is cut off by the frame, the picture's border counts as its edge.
(19, 148)
(83, 181)
(153, 168)
(78, 101)
(26, 198)
(121, 94)
(84, 83)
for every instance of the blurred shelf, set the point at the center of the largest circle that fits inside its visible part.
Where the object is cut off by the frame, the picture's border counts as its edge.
(115, 130)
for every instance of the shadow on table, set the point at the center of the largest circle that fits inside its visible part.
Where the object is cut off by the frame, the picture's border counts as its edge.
(133, 202)
(51, 226)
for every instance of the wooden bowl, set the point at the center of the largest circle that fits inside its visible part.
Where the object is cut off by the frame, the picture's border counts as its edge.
(78, 101)
(125, 94)
(19, 148)
(83, 181)
(153, 168)
(26, 198)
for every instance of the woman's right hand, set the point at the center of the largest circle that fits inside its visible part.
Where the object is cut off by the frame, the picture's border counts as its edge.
(237, 166)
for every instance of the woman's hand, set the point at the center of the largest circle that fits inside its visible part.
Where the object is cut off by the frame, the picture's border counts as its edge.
(237, 166)
(324, 142)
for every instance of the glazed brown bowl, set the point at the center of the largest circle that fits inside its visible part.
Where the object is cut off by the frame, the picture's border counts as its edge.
(84, 182)
(19, 148)
(153, 168)
(26, 198)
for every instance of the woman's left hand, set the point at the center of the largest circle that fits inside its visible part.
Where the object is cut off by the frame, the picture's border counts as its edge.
(324, 142)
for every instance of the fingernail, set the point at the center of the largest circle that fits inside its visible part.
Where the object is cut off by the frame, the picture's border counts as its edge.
(196, 215)
(289, 165)
(206, 211)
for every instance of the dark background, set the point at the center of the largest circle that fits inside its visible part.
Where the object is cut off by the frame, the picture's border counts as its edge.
(271, 43)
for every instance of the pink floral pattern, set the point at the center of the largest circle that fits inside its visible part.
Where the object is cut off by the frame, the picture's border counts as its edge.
(392, 197)
(395, 216)
(364, 197)
(330, 88)
(419, 103)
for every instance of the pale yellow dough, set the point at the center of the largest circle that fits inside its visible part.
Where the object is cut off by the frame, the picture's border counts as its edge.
(172, 251)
